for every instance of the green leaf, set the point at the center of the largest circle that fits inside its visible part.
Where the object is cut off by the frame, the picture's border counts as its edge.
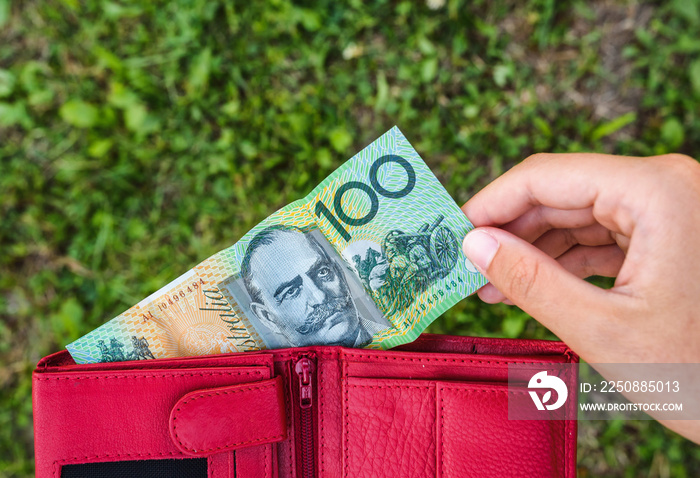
(66, 323)
(429, 69)
(107, 59)
(513, 325)
(100, 147)
(79, 113)
(403, 8)
(688, 9)
(644, 37)
(672, 133)
(470, 111)
(120, 96)
(688, 44)
(324, 158)
(226, 139)
(606, 129)
(41, 97)
(30, 76)
(72, 4)
(694, 74)
(115, 11)
(340, 139)
(543, 126)
(135, 117)
(501, 73)
(231, 108)
(198, 79)
(7, 83)
(14, 113)
(138, 120)
(248, 149)
(382, 92)
(4, 12)
(310, 19)
(425, 46)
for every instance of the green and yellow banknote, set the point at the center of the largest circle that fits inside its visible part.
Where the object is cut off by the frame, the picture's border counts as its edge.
(368, 259)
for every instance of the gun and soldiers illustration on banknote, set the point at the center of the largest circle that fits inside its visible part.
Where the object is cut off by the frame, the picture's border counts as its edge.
(408, 264)
(115, 351)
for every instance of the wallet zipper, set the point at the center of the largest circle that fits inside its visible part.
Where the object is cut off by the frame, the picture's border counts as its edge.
(305, 368)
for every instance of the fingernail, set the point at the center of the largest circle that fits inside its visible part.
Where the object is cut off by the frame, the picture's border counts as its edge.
(480, 247)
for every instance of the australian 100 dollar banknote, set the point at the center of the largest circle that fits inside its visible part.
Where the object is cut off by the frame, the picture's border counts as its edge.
(368, 259)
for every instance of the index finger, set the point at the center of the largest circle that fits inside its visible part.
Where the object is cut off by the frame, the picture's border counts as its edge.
(562, 181)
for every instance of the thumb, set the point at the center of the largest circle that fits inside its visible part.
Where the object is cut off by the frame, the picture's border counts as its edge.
(533, 281)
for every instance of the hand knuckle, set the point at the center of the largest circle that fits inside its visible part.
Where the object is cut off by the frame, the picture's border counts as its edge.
(570, 239)
(678, 165)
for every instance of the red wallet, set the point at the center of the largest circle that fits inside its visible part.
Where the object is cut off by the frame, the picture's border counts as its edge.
(437, 407)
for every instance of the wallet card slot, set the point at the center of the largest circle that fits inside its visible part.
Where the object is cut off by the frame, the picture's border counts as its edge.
(389, 428)
(424, 428)
(476, 438)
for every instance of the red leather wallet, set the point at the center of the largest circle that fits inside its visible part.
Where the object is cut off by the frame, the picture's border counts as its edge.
(435, 407)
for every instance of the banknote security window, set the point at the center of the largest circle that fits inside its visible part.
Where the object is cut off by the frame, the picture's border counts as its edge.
(299, 292)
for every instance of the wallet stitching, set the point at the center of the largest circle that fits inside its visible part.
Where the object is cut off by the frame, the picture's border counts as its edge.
(321, 369)
(347, 419)
(73, 461)
(484, 340)
(429, 385)
(419, 359)
(282, 357)
(290, 427)
(228, 392)
(357, 385)
(442, 433)
(469, 390)
(102, 377)
(168, 366)
(567, 431)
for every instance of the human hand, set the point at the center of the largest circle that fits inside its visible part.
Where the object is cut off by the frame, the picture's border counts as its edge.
(557, 218)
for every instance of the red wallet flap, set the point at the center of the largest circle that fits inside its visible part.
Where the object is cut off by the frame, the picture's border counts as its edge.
(100, 416)
(221, 419)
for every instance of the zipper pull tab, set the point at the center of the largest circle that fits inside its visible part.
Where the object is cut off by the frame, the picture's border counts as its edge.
(305, 369)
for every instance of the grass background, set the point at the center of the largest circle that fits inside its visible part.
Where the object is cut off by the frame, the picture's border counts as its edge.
(138, 138)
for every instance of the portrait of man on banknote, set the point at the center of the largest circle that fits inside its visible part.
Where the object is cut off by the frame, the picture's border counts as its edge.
(300, 290)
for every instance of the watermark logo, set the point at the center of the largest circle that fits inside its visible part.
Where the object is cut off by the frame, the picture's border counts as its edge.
(541, 380)
(628, 391)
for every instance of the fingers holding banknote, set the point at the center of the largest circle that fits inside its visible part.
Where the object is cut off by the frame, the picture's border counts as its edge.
(557, 218)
